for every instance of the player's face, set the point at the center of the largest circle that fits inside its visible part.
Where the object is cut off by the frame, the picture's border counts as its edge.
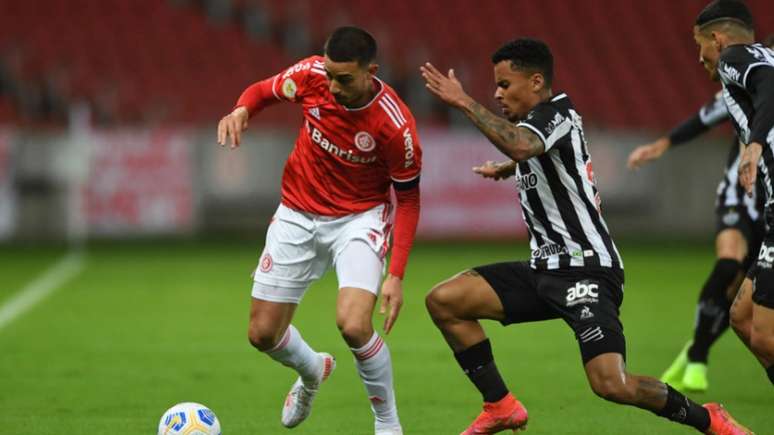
(350, 83)
(709, 52)
(517, 91)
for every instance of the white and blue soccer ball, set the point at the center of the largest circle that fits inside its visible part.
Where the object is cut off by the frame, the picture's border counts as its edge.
(189, 418)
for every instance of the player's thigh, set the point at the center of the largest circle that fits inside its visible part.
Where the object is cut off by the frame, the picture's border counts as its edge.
(589, 302)
(731, 243)
(465, 296)
(741, 308)
(505, 292)
(762, 332)
(290, 261)
(359, 271)
(359, 266)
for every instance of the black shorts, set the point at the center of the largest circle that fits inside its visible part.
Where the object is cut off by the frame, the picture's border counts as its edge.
(762, 275)
(738, 218)
(588, 300)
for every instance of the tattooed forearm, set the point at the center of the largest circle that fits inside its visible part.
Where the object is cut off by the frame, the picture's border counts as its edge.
(503, 134)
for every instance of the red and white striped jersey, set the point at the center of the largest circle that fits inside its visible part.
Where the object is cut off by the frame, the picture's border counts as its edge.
(344, 160)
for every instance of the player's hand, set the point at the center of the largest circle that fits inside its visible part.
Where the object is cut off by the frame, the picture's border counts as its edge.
(748, 166)
(392, 300)
(646, 153)
(232, 125)
(498, 171)
(445, 87)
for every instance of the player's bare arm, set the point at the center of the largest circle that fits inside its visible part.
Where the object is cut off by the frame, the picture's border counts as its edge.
(748, 166)
(647, 153)
(497, 171)
(232, 125)
(517, 143)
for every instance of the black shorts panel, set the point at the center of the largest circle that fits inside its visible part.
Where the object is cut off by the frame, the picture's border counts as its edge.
(762, 275)
(737, 218)
(588, 300)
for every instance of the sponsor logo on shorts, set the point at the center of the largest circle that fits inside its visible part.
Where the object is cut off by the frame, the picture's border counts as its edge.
(266, 263)
(586, 313)
(766, 256)
(549, 250)
(731, 218)
(591, 334)
(364, 141)
(583, 292)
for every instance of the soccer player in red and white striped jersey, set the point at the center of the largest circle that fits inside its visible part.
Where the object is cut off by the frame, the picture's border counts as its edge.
(358, 142)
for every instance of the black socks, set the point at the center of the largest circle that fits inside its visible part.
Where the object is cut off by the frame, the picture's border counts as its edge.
(682, 410)
(478, 363)
(712, 311)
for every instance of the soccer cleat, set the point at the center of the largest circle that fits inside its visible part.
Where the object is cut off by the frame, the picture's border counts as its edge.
(721, 422)
(675, 372)
(506, 414)
(298, 404)
(695, 377)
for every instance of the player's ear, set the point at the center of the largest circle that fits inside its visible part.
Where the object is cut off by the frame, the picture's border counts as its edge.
(537, 81)
(373, 68)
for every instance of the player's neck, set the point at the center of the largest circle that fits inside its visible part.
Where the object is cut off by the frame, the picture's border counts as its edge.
(373, 89)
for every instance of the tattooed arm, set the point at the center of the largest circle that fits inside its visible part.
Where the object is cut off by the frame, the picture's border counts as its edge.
(518, 143)
(515, 142)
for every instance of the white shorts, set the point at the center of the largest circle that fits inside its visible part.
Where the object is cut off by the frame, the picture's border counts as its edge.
(301, 246)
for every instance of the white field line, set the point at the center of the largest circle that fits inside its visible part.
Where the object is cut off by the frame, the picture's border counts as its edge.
(44, 285)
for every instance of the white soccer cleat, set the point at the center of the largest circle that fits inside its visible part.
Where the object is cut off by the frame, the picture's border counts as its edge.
(389, 431)
(298, 404)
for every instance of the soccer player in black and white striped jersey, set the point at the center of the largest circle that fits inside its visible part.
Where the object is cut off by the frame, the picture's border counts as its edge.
(575, 272)
(726, 40)
(738, 238)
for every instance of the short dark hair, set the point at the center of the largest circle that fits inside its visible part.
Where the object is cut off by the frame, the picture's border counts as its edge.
(726, 10)
(529, 55)
(347, 44)
(769, 41)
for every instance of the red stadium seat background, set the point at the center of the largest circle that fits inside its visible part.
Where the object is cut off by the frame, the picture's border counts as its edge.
(626, 64)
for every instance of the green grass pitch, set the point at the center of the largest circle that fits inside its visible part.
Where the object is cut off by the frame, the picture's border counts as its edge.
(147, 325)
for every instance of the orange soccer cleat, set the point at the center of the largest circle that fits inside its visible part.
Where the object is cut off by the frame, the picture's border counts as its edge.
(721, 422)
(508, 413)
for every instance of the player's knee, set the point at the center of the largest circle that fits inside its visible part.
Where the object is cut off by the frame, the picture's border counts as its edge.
(263, 337)
(611, 388)
(440, 301)
(354, 330)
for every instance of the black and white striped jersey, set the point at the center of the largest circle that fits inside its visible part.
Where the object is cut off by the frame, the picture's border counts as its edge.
(749, 98)
(730, 192)
(559, 199)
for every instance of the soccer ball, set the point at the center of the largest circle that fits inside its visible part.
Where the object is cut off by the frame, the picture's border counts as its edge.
(189, 419)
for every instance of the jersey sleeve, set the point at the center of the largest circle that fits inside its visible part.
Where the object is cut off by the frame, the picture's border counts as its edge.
(737, 61)
(404, 157)
(292, 85)
(710, 115)
(761, 84)
(547, 123)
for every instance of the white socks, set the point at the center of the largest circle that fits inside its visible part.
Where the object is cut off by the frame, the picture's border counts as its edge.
(375, 368)
(292, 351)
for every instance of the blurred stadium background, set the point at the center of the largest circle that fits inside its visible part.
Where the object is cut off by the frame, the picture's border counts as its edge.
(108, 111)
